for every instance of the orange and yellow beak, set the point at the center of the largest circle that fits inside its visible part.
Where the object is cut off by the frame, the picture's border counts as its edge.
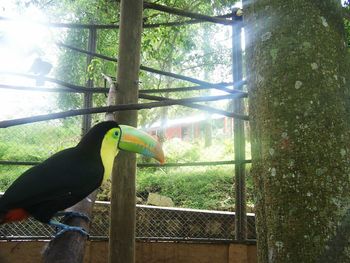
(137, 141)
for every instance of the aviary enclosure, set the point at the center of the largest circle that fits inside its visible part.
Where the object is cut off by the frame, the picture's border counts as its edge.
(152, 223)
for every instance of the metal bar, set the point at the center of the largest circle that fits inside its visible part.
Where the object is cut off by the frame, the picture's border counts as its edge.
(239, 136)
(146, 165)
(181, 23)
(116, 26)
(191, 105)
(42, 89)
(141, 96)
(121, 107)
(179, 12)
(59, 82)
(157, 71)
(189, 79)
(81, 89)
(183, 89)
(65, 25)
(140, 239)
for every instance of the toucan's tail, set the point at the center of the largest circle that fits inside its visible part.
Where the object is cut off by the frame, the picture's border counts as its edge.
(2, 216)
(12, 215)
(9, 214)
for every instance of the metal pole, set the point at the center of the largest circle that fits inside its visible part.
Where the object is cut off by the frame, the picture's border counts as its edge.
(239, 137)
(90, 84)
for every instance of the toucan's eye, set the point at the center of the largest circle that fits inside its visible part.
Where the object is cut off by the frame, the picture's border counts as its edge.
(116, 133)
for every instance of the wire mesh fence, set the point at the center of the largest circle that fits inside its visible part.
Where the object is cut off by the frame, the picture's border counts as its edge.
(35, 142)
(152, 223)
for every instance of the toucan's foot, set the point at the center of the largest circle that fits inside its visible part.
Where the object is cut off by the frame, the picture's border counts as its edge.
(72, 228)
(64, 228)
(70, 214)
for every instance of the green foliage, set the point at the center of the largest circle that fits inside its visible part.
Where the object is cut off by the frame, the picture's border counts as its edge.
(202, 188)
(34, 142)
(191, 187)
(347, 23)
(190, 50)
(195, 187)
(178, 151)
(181, 49)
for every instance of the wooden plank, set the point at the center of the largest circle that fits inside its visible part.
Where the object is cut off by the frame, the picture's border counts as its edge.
(150, 252)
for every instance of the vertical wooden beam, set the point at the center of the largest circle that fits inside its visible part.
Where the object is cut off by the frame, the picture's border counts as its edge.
(239, 137)
(122, 227)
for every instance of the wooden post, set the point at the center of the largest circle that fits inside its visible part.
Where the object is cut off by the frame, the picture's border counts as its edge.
(122, 226)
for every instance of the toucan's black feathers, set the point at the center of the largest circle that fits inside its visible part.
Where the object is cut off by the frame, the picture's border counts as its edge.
(60, 181)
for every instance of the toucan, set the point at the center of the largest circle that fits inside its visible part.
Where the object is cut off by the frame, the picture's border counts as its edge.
(69, 176)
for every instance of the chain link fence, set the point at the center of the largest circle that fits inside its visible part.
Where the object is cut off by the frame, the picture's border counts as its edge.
(152, 223)
(21, 146)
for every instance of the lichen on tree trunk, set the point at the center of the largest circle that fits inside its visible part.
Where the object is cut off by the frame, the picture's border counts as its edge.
(299, 105)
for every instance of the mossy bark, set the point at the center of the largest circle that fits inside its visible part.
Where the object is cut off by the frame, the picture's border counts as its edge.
(299, 108)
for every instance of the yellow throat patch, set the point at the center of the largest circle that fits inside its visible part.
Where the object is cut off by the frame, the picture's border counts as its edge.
(108, 151)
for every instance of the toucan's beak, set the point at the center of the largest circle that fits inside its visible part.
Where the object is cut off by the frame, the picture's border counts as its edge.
(137, 141)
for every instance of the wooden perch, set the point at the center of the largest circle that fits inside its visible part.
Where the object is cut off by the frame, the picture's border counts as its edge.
(70, 247)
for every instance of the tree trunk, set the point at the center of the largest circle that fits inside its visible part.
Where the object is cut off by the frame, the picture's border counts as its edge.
(122, 227)
(299, 112)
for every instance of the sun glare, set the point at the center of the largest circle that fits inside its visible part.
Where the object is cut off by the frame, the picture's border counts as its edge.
(21, 42)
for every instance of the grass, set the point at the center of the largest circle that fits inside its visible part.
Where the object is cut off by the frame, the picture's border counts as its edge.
(191, 187)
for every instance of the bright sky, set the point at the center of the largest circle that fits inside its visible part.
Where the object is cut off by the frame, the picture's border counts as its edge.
(20, 43)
